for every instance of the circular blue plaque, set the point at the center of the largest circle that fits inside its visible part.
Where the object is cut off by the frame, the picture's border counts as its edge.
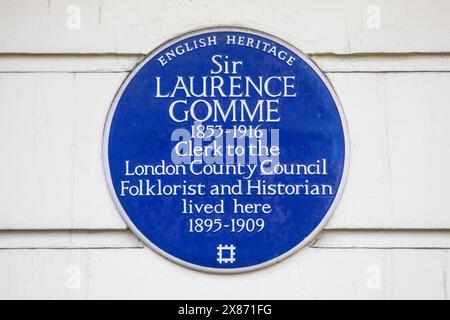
(226, 150)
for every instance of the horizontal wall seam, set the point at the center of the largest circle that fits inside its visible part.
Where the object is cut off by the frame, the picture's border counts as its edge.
(127, 72)
(312, 54)
(433, 239)
(117, 63)
(143, 247)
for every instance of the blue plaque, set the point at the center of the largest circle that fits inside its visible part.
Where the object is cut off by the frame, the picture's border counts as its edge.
(226, 150)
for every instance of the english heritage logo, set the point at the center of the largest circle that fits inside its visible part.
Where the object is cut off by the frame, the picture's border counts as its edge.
(225, 150)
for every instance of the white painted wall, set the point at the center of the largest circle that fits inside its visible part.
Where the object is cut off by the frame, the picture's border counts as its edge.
(60, 235)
